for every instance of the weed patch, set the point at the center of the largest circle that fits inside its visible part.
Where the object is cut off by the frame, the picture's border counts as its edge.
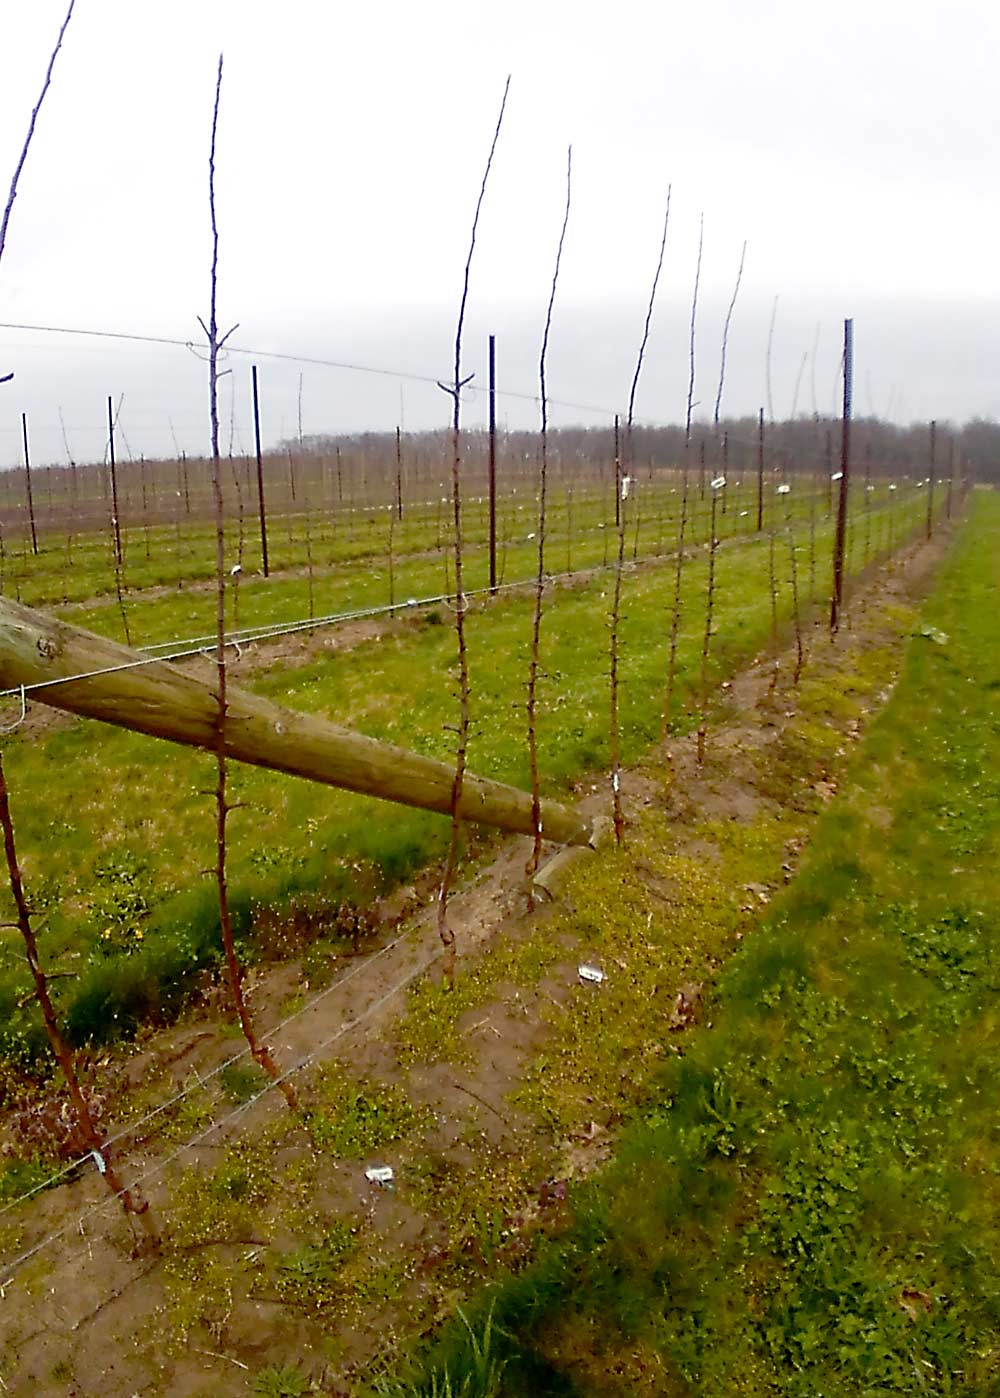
(357, 1119)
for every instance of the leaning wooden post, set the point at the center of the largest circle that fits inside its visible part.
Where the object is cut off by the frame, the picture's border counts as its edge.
(89, 675)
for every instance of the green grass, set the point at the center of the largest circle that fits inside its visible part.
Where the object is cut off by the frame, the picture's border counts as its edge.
(169, 595)
(808, 1201)
(115, 831)
(280, 1383)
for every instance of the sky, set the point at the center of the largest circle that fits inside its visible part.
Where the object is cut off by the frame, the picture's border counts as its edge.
(851, 145)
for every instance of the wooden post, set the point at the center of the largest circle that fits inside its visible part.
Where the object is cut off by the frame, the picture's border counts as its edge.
(165, 701)
(930, 480)
(27, 477)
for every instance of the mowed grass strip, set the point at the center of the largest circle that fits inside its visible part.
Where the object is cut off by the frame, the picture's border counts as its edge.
(810, 1203)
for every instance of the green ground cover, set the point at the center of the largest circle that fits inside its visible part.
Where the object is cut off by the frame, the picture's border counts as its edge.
(808, 1201)
(167, 573)
(115, 832)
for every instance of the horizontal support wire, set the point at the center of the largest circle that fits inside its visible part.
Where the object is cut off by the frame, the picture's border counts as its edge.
(185, 649)
(9, 1270)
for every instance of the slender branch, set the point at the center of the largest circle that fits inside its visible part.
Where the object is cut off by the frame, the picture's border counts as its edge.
(725, 336)
(392, 566)
(813, 497)
(812, 373)
(12, 195)
(237, 572)
(623, 482)
(798, 385)
(259, 1051)
(617, 810)
(675, 618)
(399, 474)
(87, 1136)
(536, 800)
(694, 319)
(717, 485)
(772, 581)
(468, 261)
(767, 361)
(455, 392)
(552, 294)
(793, 577)
(649, 316)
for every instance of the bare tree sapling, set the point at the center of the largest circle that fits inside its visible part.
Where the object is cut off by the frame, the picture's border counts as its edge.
(454, 390)
(623, 481)
(536, 624)
(216, 342)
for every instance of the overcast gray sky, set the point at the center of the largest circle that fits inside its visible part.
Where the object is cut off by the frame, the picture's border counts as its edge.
(852, 144)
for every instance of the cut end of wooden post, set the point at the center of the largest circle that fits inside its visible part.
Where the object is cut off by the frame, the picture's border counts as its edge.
(549, 879)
